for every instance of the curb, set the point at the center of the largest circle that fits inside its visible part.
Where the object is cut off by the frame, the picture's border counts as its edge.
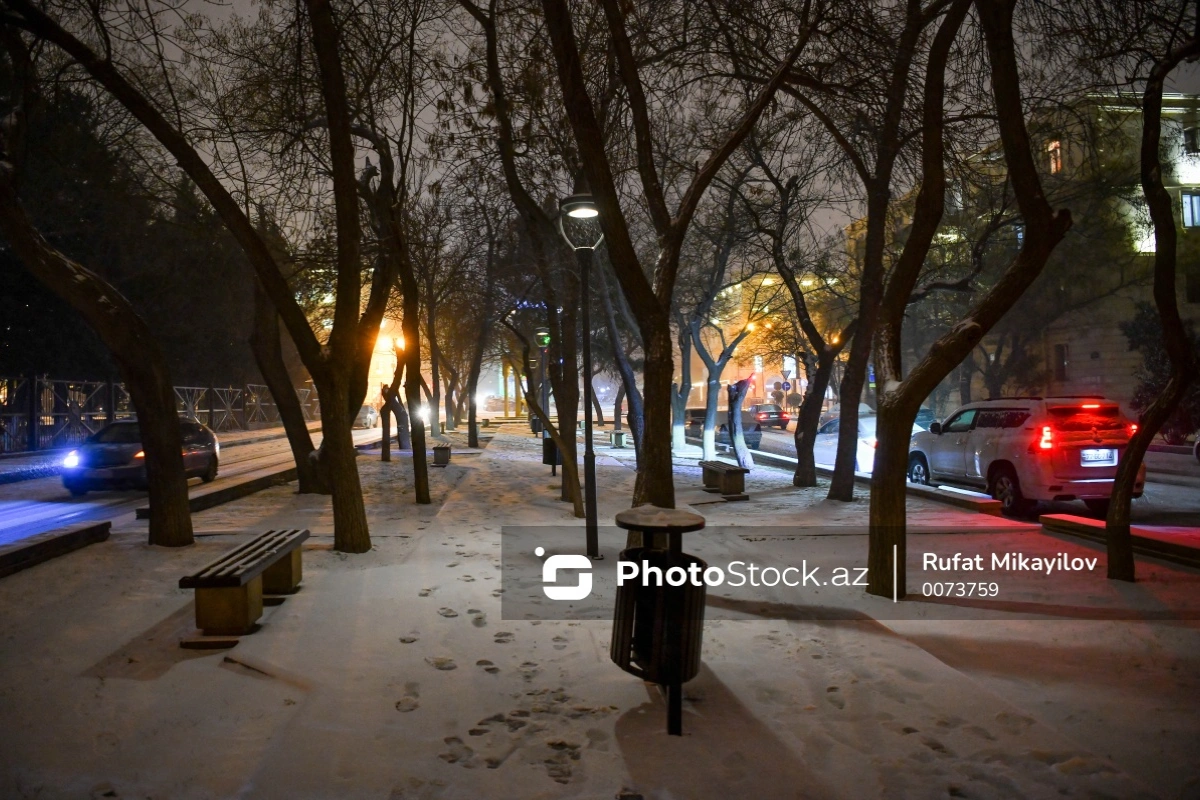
(51, 544)
(966, 500)
(1093, 530)
(211, 496)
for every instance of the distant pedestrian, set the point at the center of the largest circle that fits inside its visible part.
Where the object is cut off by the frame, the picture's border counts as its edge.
(3, 435)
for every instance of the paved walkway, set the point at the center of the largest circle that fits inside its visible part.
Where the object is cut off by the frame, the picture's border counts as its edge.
(394, 673)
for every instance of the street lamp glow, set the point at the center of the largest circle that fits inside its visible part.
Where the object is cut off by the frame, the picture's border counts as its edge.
(582, 233)
(579, 206)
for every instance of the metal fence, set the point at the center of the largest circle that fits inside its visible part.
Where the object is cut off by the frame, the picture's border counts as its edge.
(41, 413)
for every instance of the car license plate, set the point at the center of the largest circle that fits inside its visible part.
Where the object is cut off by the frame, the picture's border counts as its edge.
(1098, 458)
(100, 473)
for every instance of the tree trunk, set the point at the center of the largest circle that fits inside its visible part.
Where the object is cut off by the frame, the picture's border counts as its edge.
(712, 400)
(564, 379)
(629, 387)
(133, 347)
(737, 436)
(412, 384)
(620, 399)
(681, 391)
(1179, 349)
(435, 379)
(403, 431)
(596, 407)
(337, 457)
(570, 468)
(841, 485)
(808, 420)
(655, 483)
(887, 551)
(268, 354)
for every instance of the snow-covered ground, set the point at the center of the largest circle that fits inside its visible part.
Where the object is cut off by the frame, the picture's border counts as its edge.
(392, 674)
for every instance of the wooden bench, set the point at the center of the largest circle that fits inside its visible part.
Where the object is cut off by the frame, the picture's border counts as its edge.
(229, 591)
(727, 479)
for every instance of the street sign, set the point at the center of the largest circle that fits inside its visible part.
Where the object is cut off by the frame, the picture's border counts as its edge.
(787, 373)
(786, 386)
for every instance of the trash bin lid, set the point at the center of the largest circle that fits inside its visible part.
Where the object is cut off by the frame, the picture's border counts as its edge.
(654, 519)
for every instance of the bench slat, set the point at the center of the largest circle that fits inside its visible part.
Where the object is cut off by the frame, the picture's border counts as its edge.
(246, 561)
(723, 466)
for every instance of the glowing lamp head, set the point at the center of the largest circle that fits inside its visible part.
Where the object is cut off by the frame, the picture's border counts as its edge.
(579, 206)
(578, 222)
(72, 460)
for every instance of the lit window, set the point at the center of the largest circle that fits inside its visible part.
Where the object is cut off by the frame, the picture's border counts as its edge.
(1054, 150)
(1191, 210)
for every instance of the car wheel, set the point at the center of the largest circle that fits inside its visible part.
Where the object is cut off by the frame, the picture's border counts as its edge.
(1098, 507)
(210, 474)
(918, 470)
(76, 489)
(1006, 488)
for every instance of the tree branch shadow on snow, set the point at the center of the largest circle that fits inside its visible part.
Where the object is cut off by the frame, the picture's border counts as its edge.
(1053, 663)
(723, 745)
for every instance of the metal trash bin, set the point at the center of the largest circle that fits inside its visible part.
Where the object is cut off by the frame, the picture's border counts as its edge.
(639, 645)
(441, 455)
(658, 630)
(535, 424)
(550, 453)
(616, 439)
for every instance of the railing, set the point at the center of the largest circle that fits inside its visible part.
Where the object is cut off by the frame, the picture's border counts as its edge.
(40, 413)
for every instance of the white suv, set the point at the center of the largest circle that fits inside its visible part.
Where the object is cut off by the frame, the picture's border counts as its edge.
(1027, 449)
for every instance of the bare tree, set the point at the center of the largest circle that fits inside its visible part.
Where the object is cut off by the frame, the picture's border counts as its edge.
(649, 298)
(1175, 335)
(139, 358)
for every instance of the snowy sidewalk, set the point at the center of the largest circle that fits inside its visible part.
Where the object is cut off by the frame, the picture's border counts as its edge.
(392, 675)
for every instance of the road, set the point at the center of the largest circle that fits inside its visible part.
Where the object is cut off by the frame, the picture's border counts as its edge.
(34, 506)
(1172, 494)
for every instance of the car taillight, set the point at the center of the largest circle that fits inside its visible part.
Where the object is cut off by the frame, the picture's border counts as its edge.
(762, 416)
(1090, 405)
(1047, 440)
(1132, 428)
(784, 416)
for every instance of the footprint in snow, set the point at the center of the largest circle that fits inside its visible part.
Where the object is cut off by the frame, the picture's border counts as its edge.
(447, 612)
(441, 662)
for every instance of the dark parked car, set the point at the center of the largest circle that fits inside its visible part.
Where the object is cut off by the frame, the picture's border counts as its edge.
(765, 415)
(112, 458)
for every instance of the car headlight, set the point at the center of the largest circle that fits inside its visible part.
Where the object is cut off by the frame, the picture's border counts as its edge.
(72, 460)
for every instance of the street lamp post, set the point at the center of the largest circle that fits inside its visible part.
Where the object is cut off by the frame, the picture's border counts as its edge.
(576, 222)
